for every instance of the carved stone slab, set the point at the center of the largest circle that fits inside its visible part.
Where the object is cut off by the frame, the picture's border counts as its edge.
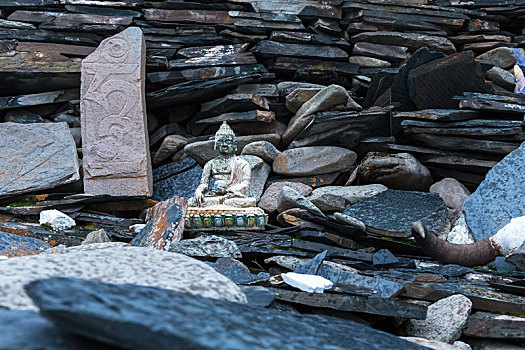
(116, 157)
(35, 157)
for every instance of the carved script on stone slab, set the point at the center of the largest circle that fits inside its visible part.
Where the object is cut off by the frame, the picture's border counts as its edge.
(35, 157)
(114, 126)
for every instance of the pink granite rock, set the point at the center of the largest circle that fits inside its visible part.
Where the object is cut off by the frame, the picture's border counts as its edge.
(114, 124)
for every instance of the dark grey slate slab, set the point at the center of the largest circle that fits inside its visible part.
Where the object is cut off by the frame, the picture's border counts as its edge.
(258, 295)
(312, 266)
(14, 245)
(27, 330)
(499, 198)
(176, 179)
(392, 212)
(138, 317)
(236, 271)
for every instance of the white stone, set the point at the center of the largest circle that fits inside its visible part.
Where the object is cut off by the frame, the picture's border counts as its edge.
(461, 345)
(116, 263)
(56, 219)
(460, 235)
(511, 238)
(137, 227)
(431, 344)
(445, 319)
(307, 283)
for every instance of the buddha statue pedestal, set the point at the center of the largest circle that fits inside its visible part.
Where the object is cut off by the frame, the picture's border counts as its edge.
(225, 205)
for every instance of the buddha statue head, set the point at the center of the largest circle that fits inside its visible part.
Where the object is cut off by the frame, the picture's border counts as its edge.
(225, 141)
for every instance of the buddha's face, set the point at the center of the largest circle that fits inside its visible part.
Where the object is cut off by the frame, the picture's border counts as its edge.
(226, 145)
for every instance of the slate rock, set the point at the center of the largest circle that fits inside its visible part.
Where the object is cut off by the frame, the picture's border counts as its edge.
(328, 97)
(384, 52)
(411, 40)
(14, 245)
(286, 87)
(298, 97)
(369, 62)
(453, 192)
(454, 74)
(499, 198)
(501, 77)
(22, 116)
(290, 198)
(431, 344)
(312, 266)
(206, 247)
(338, 198)
(165, 225)
(169, 146)
(71, 120)
(180, 178)
(502, 57)
(138, 317)
(260, 171)
(262, 149)
(392, 212)
(270, 198)
(98, 236)
(204, 151)
(445, 319)
(314, 160)
(399, 90)
(236, 271)
(23, 329)
(400, 171)
(36, 157)
(258, 296)
(114, 263)
(384, 257)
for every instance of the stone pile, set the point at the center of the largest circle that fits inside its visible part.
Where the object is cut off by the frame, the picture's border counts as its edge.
(348, 113)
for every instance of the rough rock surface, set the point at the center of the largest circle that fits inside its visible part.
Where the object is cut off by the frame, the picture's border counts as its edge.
(445, 319)
(169, 146)
(14, 245)
(138, 317)
(180, 178)
(262, 149)
(23, 329)
(501, 77)
(112, 263)
(431, 344)
(260, 171)
(114, 123)
(337, 198)
(314, 160)
(57, 220)
(165, 226)
(453, 193)
(290, 198)
(203, 151)
(369, 62)
(330, 96)
(499, 198)
(98, 236)
(207, 247)
(502, 57)
(34, 157)
(236, 271)
(298, 97)
(270, 198)
(401, 171)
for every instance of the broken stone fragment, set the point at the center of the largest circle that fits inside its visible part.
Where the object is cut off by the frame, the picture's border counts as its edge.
(453, 192)
(307, 283)
(338, 198)
(206, 247)
(259, 174)
(328, 97)
(369, 62)
(57, 220)
(270, 199)
(401, 171)
(37, 156)
(14, 245)
(290, 198)
(262, 149)
(170, 145)
(99, 236)
(445, 319)
(502, 78)
(298, 97)
(502, 57)
(314, 160)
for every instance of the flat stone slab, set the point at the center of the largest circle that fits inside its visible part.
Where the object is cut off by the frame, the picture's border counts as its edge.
(23, 329)
(114, 263)
(137, 317)
(313, 160)
(35, 157)
(176, 179)
(392, 212)
(499, 198)
(14, 245)
(114, 125)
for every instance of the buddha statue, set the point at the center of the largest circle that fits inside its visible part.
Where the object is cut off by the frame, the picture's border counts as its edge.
(220, 200)
(228, 175)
